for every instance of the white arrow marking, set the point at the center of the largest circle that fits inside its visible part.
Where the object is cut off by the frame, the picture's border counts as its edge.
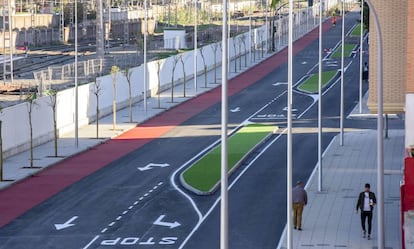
(293, 110)
(66, 224)
(237, 109)
(153, 165)
(159, 222)
(279, 83)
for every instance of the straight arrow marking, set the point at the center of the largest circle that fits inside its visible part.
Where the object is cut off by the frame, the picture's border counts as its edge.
(159, 222)
(66, 224)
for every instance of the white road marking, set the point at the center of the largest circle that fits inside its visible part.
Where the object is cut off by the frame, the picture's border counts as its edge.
(153, 165)
(66, 224)
(160, 222)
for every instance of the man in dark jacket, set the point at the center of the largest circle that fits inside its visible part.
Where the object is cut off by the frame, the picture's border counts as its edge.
(365, 203)
(300, 199)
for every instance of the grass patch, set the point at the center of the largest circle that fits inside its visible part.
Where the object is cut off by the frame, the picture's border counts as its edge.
(347, 51)
(357, 30)
(204, 175)
(312, 85)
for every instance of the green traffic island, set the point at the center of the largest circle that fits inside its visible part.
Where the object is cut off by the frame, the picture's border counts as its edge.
(311, 84)
(203, 177)
(349, 50)
(356, 32)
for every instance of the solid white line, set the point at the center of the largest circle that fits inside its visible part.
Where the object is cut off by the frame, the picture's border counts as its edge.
(92, 241)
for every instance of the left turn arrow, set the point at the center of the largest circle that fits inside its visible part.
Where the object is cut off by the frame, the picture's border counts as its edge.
(66, 224)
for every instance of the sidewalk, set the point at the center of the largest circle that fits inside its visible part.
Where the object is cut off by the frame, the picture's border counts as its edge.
(329, 219)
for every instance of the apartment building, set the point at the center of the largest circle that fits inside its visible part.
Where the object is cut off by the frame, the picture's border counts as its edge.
(397, 27)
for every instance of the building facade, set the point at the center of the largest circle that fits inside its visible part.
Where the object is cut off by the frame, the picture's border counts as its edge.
(409, 97)
(397, 28)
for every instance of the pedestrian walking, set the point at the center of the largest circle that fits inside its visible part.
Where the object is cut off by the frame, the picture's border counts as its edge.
(300, 199)
(365, 72)
(366, 202)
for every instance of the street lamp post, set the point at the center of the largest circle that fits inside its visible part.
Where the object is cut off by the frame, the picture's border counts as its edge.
(76, 78)
(145, 55)
(320, 101)
(289, 129)
(195, 46)
(341, 122)
(224, 216)
(380, 128)
(361, 40)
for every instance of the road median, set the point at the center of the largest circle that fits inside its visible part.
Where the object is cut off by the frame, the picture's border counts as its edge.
(203, 176)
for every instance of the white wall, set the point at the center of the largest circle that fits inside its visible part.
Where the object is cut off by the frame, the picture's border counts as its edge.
(15, 128)
(409, 119)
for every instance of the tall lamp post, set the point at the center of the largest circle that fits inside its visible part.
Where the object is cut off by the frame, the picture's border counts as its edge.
(361, 41)
(195, 46)
(320, 101)
(341, 122)
(76, 78)
(145, 56)
(224, 216)
(380, 128)
(289, 129)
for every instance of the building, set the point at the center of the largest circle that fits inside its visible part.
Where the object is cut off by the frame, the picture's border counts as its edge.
(397, 28)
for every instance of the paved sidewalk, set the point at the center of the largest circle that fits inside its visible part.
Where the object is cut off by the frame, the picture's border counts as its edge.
(329, 219)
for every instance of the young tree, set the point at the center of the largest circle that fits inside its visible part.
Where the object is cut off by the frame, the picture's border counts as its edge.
(215, 47)
(235, 54)
(52, 93)
(243, 40)
(114, 73)
(184, 79)
(31, 102)
(241, 55)
(159, 63)
(176, 58)
(128, 75)
(272, 26)
(97, 90)
(204, 65)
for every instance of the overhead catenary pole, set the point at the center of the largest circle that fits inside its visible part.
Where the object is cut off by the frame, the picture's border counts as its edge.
(195, 46)
(361, 41)
(224, 216)
(341, 121)
(380, 128)
(145, 56)
(289, 129)
(76, 78)
(320, 101)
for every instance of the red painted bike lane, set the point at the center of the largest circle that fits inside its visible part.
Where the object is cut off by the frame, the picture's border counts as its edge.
(26, 194)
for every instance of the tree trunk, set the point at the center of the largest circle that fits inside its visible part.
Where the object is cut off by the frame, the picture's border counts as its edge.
(31, 135)
(130, 103)
(55, 132)
(97, 117)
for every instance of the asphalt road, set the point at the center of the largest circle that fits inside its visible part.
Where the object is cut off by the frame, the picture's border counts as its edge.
(137, 201)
